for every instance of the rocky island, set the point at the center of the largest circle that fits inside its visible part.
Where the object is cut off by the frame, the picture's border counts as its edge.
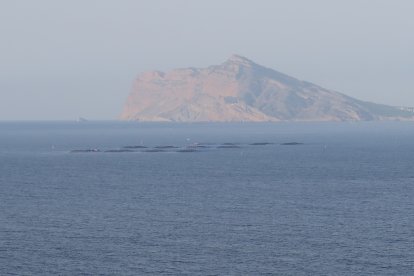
(241, 90)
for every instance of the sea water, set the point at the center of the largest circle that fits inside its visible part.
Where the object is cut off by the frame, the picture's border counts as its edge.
(339, 203)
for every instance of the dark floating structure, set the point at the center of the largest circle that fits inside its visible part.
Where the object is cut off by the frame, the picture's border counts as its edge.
(261, 144)
(85, 150)
(228, 147)
(166, 147)
(134, 147)
(187, 150)
(291, 144)
(195, 147)
(119, 150)
(201, 146)
(154, 150)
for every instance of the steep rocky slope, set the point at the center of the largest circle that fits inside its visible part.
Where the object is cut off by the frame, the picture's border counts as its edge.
(241, 90)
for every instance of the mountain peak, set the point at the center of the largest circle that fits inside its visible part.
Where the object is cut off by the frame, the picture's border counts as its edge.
(237, 59)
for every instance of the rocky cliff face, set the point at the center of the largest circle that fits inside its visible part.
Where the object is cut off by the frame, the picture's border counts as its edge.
(241, 90)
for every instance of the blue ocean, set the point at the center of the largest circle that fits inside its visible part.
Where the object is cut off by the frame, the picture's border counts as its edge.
(112, 198)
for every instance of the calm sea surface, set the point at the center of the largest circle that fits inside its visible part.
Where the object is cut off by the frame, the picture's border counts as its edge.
(342, 203)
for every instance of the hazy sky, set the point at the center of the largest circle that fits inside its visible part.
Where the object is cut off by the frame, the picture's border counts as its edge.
(62, 60)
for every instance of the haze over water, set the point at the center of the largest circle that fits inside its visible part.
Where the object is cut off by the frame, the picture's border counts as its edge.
(340, 204)
(61, 60)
